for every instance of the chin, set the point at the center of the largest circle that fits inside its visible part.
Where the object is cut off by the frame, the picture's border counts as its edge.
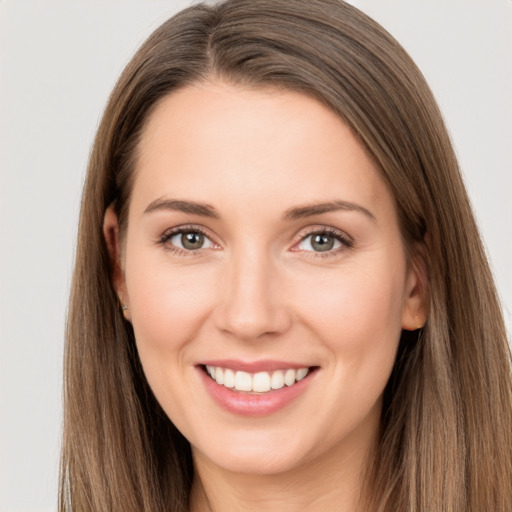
(261, 463)
(256, 453)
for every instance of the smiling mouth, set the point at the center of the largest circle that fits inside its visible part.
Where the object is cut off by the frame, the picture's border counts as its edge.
(257, 383)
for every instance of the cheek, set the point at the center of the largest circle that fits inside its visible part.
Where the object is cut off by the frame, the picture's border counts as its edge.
(168, 306)
(356, 316)
(357, 312)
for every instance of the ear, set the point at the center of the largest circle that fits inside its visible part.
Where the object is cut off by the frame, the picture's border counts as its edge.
(111, 234)
(415, 309)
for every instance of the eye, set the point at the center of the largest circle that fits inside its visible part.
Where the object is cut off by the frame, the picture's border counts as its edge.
(186, 239)
(324, 241)
(319, 242)
(190, 240)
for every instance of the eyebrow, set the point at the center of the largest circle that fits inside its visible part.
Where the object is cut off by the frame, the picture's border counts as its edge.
(301, 212)
(192, 207)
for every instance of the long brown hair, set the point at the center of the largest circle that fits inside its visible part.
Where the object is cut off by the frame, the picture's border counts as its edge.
(446, 430)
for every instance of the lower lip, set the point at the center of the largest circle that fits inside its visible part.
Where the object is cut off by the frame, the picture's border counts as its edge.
(245, 404)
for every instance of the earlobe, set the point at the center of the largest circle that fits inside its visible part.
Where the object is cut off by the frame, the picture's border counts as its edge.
(415, 310)
(111, 235)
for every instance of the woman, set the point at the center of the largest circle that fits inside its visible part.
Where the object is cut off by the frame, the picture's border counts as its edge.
(281, 301)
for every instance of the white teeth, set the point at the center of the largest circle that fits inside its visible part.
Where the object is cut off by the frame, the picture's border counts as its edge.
(277, 380)
(243, 381)
(219, 375)
(261, 382)
(289, 377)
(301, 373)
(229, 378)
(211, 371)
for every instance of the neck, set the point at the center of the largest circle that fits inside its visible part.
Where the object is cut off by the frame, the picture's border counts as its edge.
(331, 483)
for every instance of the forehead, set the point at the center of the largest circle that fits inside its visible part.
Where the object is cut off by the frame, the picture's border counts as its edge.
(217, 141)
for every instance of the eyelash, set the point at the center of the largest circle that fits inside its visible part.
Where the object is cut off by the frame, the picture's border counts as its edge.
(345, 241)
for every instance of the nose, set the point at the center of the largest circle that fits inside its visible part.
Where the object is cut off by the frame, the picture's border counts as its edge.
(253, 302)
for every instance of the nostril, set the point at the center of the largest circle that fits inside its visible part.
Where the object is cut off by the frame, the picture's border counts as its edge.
(248, 324)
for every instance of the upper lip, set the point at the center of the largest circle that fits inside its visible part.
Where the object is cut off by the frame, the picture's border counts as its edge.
(264, 365)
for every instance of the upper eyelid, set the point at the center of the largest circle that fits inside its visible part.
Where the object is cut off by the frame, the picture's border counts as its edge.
(168, 233)
(312, 230)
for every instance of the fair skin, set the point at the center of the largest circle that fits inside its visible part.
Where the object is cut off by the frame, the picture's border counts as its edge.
(255, 279)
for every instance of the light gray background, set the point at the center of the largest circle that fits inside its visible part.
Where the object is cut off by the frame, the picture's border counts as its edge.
(59, 60)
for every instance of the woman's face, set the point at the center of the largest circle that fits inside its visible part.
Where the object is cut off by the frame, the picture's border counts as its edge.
(263, 247)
